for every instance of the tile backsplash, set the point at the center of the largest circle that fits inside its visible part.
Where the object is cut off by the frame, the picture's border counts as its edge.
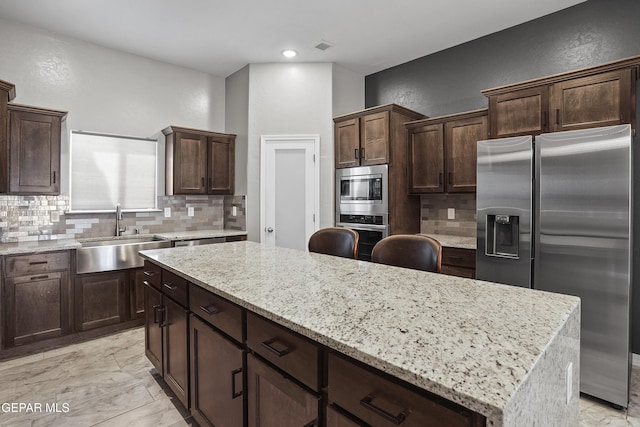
(434, 209)
(24, 218)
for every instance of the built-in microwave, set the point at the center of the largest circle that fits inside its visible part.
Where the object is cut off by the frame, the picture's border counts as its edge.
(362, 190)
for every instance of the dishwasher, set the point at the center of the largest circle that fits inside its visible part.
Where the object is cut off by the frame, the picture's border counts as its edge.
(197, 242)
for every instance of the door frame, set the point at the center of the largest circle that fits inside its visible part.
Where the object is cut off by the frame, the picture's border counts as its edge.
(266, 139)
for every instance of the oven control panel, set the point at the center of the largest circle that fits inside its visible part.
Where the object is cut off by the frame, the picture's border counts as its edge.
(362, 219)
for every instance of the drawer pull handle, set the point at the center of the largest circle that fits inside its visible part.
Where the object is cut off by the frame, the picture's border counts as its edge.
(144, 282)
(272, 349)
(455, 257)
(150, 273)
(38, 262)
(46, 276)
(210, 311)
(367, 402)
(235, 393)
(170, 286)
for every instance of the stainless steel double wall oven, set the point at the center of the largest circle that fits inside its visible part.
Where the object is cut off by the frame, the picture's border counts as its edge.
(362, 204)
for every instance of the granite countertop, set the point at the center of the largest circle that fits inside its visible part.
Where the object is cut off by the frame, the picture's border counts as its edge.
(37, 246)
(199, 234)
(473, 342)
(452, 241)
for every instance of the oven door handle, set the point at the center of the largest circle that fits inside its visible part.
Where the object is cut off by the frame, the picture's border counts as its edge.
(373, 227)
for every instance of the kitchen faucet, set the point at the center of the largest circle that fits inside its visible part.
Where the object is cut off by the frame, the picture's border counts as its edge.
(119, 230)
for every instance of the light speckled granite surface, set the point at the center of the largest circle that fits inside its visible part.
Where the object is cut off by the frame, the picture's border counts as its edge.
(451, 241)
(200, 234)
(38, 246)
(483, 345)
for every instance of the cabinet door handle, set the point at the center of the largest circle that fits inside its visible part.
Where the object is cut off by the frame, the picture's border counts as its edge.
(170, 286)
(557, 116)
(367, 402)
(544, 120)
(267, 344)
(440, 178)
(203, 181)
(210, 311)
(46, 276)
(54, 177)
(155, 314)
(38, 262)
(362, 153)
(210, 182)
(356, 153)
(235, 393)
(450, 176)
(163, 318)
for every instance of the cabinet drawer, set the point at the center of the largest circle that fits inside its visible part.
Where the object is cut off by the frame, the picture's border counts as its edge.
(217, 311)
(152, 275)
(36, 263)
(459, 257)
(285, 349)
(450, 270)
(175, 287)
(381, 402)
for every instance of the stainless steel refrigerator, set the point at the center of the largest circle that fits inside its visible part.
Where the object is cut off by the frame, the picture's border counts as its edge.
(554, 213)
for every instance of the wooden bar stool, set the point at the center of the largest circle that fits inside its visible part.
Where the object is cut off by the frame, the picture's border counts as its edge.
(337, 241)
(410, 251)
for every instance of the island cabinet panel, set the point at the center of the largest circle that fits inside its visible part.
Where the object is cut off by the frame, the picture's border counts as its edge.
(216, 311)
(217, 377)
(100, 299)
(287, 350)
(35, 301)
(136, 293)
(199, 161)
(34, 149)
(167, 331)
(336, 418)
(152, 329)
(380, 402)
(604, 95)
(275, 401)
(442, 152)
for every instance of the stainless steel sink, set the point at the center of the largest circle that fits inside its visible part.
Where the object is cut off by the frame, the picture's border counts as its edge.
(116, 254)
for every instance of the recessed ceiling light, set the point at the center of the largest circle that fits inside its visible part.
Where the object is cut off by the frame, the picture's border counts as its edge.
(289, 53)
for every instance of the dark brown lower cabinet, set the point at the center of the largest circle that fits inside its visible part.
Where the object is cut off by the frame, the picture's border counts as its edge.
(275, 401)
(35, 307)
(100, 299)
(152, 329)
(136, 293)
(337, 419)
(217, 377)
(380, 402)
(167, 342)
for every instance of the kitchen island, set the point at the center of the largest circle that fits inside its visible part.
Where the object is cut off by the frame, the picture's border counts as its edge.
(507, 353)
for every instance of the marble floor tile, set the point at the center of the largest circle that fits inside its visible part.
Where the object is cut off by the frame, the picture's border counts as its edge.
(109, 382)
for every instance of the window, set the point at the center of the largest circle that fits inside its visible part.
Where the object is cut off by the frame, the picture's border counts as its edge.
(111, 169)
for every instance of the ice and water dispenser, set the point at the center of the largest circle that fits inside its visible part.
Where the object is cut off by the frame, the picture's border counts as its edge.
(503, 235)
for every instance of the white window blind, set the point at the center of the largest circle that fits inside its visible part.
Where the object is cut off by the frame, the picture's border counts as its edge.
(111, 169)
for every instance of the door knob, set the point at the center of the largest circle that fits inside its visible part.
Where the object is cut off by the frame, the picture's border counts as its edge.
(270, 229)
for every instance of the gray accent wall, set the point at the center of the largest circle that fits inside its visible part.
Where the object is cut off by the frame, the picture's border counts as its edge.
(451, 81)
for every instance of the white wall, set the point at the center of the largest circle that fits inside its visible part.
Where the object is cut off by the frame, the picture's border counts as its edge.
(348, 91)
(105, 90)
(237, 121)
(289, 99)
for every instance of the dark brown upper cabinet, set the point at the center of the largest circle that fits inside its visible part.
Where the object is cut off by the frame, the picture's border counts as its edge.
(587, 98)
(199, 162)
(442, 152)
(33, 151)
(367, 137)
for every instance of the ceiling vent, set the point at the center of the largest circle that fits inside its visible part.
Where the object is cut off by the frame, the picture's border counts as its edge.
(323, 45)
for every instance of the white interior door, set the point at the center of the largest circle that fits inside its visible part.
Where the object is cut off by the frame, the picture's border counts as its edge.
(289, 190)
